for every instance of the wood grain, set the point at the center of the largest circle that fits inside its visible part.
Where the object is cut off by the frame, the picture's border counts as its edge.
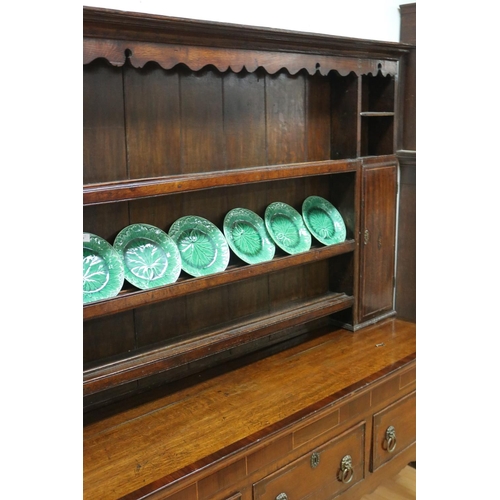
(122, 452)
(104, 150)
(378, 243)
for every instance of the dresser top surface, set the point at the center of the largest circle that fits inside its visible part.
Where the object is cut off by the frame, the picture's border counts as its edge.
(224, 408)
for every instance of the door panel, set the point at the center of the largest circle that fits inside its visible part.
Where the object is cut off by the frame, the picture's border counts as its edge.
(378, 231)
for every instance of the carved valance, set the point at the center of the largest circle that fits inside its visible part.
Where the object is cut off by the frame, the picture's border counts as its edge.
(167, 56)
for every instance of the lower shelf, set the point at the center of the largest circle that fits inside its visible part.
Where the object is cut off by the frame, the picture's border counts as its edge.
(167, 357)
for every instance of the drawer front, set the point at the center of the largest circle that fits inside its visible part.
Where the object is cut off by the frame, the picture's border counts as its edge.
(394, 429)
(321, 472)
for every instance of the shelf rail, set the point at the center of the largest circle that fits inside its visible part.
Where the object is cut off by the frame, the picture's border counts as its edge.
(167, 357)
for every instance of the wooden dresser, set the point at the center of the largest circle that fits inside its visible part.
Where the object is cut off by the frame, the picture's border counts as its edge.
(290, 378)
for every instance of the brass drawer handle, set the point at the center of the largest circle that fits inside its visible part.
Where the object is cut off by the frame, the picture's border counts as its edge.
(314, 460)
(389, 443)
(282, 496)
(346, 471)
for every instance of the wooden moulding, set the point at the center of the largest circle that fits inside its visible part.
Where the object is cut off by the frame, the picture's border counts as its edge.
(127, 300)
(117, 52)
(114, 35)
(152, 362)
(94, 194)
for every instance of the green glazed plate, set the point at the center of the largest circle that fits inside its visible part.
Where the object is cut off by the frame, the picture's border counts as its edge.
(103, 270)
(323, 220)
(247, 236)
(287, 228)
(150, 256)
(202, 246)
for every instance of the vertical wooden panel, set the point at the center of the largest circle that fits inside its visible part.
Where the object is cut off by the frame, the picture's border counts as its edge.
(408, 26)
(343, 196)
(161, 322)
(285, 114)
(209, 203)
(244, 119)
(377, 260)
(285, 287)
(104, 337)
(106, 223)
(161, 211)
(291, 191)
(409, 139)
(153, 114)
(345, 115)
(104, 157)
(378, 94)
(254, 198)
(318, 118)
(208, 311)
(250, 297)
(202, 138)
(316, 279)
(406, 263)
(408, 34)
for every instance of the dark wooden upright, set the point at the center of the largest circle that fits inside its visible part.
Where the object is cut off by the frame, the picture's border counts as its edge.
(406, 303)
(283, 379)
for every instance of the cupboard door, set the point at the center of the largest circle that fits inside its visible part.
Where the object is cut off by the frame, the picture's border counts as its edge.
(378, 234)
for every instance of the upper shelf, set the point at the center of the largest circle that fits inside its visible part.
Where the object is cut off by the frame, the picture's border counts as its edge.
(94, 194)
(141, 38)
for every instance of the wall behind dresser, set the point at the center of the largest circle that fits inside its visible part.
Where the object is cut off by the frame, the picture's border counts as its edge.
(372, 19)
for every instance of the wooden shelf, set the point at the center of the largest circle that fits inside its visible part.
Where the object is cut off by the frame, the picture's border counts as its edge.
(143, 188)
(106, 376)
(376, 113)
(127, 300)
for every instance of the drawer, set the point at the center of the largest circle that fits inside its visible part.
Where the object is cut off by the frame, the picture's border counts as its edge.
(394, 429)
(329, 469)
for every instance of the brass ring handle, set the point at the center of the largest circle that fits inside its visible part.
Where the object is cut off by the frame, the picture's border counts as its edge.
(282, 496)
(390, 440)
(346, 472)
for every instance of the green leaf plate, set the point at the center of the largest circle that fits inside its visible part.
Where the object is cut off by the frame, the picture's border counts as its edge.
(202, 246)
(247, 236)
(323, 220)
(103, 270)
(287, 228)
(150, 256)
